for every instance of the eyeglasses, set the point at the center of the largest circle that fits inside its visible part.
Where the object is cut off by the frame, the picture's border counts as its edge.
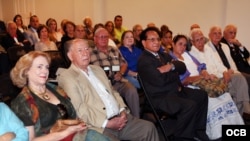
(62, 111)
(102, 37)
(154, 39)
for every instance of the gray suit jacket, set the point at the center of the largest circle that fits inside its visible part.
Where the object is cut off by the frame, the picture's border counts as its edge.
(31, 36)
(85, 99)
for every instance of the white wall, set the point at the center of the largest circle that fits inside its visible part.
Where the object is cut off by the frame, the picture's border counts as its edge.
(238, 14)
(177, 14)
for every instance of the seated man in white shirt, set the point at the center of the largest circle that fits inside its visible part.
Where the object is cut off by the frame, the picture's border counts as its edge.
(237, 84)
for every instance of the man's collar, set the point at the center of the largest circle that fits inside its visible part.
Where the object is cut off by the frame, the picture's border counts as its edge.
(154, 53)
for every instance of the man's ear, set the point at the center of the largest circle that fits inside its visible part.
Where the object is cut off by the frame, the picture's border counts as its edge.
(143, 43)
(69, 54)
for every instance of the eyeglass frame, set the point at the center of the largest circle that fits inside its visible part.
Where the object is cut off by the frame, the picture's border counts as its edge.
(153, 39)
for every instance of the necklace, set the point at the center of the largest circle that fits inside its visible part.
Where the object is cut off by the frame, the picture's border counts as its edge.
(44, 94)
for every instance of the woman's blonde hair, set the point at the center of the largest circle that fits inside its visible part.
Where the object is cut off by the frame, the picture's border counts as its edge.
(18, 73)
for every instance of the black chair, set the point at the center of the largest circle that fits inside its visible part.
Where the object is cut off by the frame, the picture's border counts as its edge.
(158, 117)
(8, 91)
(15, 52)
(57, 61)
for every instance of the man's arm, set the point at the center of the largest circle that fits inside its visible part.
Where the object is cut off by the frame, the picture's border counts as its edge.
(15, 124)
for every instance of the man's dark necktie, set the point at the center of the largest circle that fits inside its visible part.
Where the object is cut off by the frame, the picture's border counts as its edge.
(222, 56)
(159, 58)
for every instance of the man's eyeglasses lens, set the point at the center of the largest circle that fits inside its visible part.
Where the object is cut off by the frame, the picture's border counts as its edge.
(154, 39)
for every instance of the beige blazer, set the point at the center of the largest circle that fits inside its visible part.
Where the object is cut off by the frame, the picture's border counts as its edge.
(87, 103)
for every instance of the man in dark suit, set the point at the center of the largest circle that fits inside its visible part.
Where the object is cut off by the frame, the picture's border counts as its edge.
(31, 33)
(159, 75)
(13, 37)
(238, 52)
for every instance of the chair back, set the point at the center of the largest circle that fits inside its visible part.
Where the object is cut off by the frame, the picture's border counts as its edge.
(156, 114)
(15, 52)
(8, 91)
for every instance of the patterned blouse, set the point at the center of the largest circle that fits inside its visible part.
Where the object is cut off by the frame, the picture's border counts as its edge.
(34, 111)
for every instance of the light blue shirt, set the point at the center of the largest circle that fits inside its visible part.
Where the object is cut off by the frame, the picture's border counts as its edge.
(9, 122)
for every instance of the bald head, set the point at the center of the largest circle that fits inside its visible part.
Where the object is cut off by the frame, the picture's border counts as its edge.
(11, 28)
(198, 39)
(230, 32)
(215, 34)
(193, 26)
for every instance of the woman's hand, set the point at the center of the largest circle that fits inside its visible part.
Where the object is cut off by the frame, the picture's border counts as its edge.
(75, 128)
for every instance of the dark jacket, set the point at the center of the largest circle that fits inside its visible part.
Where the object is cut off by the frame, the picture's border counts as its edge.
(240, 57)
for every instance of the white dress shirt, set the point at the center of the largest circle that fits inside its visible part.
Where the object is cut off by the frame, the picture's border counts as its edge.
(108, 99)
(211, 59)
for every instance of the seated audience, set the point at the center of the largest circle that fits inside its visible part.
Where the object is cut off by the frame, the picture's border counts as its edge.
(54, 34)
(119, 29)
(13, 37)
(108, 57)
(237, 84)
(161, 80)
(131, 54)
(95, 100)
(44, 44)
(197, 77)
(151, 24)
(193, 26)
(164, 28)
(41, 105)
(31, 33)
(110, 41)
(87, 22)
(167, 40)
(69, 34)
(238, 52)
(12, 128)
(80, 33)
(109, 25)
(215, 36)
(62, 25)
(137, 29)
(19, 22)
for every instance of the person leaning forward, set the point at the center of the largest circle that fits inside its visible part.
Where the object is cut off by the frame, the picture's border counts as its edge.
(95, 100)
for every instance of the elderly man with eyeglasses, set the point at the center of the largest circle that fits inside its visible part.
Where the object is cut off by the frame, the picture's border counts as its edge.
(115, 65)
